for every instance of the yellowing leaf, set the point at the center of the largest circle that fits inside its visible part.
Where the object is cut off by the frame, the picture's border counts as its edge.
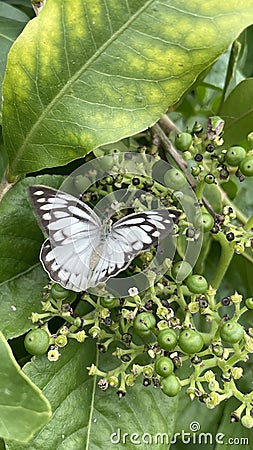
(87, 73)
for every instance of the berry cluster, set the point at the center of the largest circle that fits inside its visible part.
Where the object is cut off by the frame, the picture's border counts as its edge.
(156, 334)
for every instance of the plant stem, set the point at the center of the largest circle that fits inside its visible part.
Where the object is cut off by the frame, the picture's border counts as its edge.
(179, 161)
(5, 186)
(227, 253)
(249, 223)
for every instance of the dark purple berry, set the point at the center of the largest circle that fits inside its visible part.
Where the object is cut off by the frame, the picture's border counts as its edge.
(230, 236)
(226, 301)
(210, 148)
(198, 157)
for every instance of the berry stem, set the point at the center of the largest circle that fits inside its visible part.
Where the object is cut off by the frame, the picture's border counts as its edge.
(249, 224)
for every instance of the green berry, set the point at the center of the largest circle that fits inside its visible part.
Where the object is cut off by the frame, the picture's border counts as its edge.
(174, 178)
(231, 332)
(190, 341)
(109, 303)
(183, 141)
(195, 170)
(82, 183)
(180, 270)
(167, 339)
(249, 302)
(247, 421)
(144, 323)
(234, 155)
(197, 284)
(246, 166)
(171, 385)
(164, 366)
(205, 220)
(37, 341)
(209, 178)
(58, 292)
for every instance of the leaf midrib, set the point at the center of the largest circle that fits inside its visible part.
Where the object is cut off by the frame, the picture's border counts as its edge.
(73, 79)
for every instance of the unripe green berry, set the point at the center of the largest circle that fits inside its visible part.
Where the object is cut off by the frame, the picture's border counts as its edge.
(59, 293)
(195, 170)
(205, 220)
(247, 421)
(164, 366)
(209, 178)
(180, 270)
(183, 141)
(167, 339)
(197, 284)
(174, 178)
(37, 341)
(234, 155)
(246, 166)
(231, 332)
(170, 385)
(109, 303)
(82, 183)
(144, 323)
(190, 341)
(249, 302)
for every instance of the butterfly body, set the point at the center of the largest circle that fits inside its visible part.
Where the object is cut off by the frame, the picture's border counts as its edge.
(82, 251)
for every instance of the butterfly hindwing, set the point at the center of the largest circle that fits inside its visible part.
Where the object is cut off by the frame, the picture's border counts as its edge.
(130, 236)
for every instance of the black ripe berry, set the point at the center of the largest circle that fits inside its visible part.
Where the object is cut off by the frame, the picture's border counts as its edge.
(230, 236)
(226, 301)
(136, 181)
(108, 321)
(94, 197)
(146, 382)
(190, 232)
(203, 302)
(125, 358)
(215, 229)
(224, 173)
(210, 148)
(198, 157)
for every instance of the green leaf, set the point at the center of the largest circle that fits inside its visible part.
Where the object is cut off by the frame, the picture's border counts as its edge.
(91, 73)
(84, 416)
(230, 187)
(213, 195)
(19, 297)
(238, 113)
(243, 199)
(21, 276)
(23, 409)
(233, 436)
(12, 22)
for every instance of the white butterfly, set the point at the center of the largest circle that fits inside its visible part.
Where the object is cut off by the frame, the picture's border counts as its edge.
(81, 251)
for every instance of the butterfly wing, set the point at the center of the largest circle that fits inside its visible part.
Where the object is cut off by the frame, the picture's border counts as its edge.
(130, 236)
(73, 231)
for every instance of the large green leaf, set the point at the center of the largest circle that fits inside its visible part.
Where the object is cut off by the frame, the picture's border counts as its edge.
(238, 113)
(83, 74)
(85, 417)
(12, 21)
(21, 275)
(23, 409)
